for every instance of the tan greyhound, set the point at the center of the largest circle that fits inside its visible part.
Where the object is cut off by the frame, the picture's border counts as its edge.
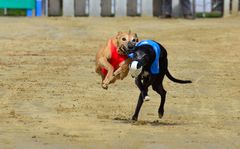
(112, 60)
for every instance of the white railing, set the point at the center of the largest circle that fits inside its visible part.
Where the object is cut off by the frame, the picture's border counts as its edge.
(143, 7)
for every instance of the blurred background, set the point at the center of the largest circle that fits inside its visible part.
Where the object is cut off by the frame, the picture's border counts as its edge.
(112, 8)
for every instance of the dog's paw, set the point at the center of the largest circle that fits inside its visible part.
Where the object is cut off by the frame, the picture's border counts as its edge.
(147, 98)
(134, 118)
(105, 86)
(160, 113)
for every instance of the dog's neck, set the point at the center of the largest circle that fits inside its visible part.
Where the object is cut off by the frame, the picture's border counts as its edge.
(113, 44)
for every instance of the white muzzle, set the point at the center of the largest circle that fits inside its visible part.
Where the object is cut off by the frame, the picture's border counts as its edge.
(134, 71)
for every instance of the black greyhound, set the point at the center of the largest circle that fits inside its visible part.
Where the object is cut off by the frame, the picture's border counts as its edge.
(149, 66)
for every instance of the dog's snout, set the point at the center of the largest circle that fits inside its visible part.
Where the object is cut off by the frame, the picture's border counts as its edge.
(130, 45)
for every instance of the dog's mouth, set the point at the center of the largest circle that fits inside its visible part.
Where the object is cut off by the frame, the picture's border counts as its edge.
(123, 50)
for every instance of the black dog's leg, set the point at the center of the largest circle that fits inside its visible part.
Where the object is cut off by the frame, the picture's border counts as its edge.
(163, 98)
(143, 93)
(146, 83)
(139, 105)
(143, 87)
(158, 87)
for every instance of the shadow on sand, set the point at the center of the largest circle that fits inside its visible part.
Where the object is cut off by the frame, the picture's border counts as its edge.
(146, 122)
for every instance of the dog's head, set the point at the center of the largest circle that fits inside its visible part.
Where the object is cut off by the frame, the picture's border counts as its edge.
(126, 41)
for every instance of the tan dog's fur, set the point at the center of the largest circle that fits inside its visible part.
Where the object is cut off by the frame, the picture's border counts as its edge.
(121, 41)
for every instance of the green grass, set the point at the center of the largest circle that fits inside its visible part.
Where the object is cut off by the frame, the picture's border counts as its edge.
(209, 15)
(13, 12)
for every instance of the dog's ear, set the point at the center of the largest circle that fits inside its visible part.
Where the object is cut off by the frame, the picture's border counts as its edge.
(136, 36)
(129, 32)
(119, 33)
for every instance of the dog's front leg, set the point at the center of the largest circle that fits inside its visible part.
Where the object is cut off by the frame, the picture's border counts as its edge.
(143, 87)
(140, 99)
(104, 63)
(123, 69)
(120, 73)
(138, 107)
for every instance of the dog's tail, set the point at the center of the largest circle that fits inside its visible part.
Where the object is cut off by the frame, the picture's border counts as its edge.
(177, 80)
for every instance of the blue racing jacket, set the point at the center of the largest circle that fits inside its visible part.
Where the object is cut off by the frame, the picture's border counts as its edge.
(155, 65)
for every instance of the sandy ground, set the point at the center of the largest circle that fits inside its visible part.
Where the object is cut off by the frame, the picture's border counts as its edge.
(50, 96)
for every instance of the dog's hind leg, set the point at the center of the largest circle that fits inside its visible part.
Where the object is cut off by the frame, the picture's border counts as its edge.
(158, 87)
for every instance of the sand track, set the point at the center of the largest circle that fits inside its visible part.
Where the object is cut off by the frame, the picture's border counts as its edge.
(50, 96)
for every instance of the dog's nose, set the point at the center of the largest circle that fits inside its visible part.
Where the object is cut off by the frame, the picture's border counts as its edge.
(130, 45)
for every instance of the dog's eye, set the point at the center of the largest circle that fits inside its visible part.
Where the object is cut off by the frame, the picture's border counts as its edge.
(124, 39)
(135, 40)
